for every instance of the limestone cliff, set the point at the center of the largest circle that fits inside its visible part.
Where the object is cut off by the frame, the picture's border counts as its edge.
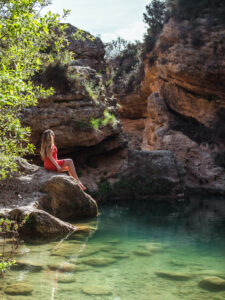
(82, 112)
(185, 75)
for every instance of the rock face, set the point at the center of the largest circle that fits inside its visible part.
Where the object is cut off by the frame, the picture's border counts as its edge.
(154, 174)
(65, 199)
(88, 52)
(185, 115)
(82, 112)
(133, 112)
(147, 176)
(160, 133)
(58, 194)
(39, 223)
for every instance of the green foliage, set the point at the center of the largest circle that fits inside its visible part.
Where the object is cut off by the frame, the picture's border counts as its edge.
(25, 40)
(192, 9)
(29, 222)
(107, 118)
(154, 18)
(115, 48)
(6, 264)
(126, 68)
(7, 225)
(8, 228)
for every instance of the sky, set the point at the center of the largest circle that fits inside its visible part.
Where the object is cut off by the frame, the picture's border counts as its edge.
(106, 18)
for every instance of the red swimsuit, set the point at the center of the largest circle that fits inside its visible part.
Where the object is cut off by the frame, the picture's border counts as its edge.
(49, 165)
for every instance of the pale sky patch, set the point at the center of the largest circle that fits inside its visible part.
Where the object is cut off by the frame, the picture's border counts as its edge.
(107, 18)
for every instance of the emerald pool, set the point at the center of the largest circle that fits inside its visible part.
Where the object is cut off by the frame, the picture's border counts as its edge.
(151, 252)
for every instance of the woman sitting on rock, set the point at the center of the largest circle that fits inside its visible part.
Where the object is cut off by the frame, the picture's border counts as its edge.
(49, 155)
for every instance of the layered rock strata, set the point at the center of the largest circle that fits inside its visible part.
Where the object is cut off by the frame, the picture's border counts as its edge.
(186, 113)
(82, 112)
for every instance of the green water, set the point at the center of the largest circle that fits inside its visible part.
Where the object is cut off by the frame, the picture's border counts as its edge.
(123, 257)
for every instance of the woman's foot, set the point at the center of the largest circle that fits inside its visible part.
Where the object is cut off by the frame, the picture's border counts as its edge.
(82, 186)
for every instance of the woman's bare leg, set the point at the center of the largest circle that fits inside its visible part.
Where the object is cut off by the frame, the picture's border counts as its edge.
(69, 166)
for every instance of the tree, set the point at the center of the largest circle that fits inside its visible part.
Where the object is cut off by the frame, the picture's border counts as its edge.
(115, 47)
(154, 16)
(25, 39)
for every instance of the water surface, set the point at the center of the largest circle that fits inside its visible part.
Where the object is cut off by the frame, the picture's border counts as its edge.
(132, 254)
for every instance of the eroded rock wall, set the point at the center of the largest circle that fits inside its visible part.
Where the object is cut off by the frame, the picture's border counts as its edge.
(185, 112)
(82, 112)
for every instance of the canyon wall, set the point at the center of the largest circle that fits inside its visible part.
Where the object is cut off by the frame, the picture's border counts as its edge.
(82, 112)
(185, 108)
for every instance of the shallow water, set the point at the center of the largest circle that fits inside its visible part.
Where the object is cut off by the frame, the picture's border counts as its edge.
(121, 258)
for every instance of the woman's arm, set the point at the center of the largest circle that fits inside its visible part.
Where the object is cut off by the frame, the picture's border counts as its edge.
(54, 162)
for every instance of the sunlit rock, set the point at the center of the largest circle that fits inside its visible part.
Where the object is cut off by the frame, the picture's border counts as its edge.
(173, 275)
(96, 290)
(98, 262)
(212, 283)
(19, 289)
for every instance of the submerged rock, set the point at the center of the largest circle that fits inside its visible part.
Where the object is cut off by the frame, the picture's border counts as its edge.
(143, 252)
(152, 247)
(212, 283)
(32, 267)
(66, 250)
(177, 263)
(120, 256)
(66, 278)
(80, 267)
(98, 262)
(19, 289)
(96, 290)
(62, 267)
(88, 252)
(173, 275)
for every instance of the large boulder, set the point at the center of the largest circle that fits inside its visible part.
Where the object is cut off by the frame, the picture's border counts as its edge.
(65, 199)
(36, 185)
(147, 176)
(154, 174)
(39, 223)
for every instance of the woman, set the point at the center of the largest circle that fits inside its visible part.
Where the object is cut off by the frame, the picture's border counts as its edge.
(49, 156)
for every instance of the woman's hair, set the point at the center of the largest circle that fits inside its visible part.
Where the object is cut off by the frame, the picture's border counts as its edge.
(46, 143)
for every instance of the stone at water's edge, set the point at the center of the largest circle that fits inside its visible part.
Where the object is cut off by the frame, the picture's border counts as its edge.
(39, 223)
(65, 199)
(154, 174)
(54, 194)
